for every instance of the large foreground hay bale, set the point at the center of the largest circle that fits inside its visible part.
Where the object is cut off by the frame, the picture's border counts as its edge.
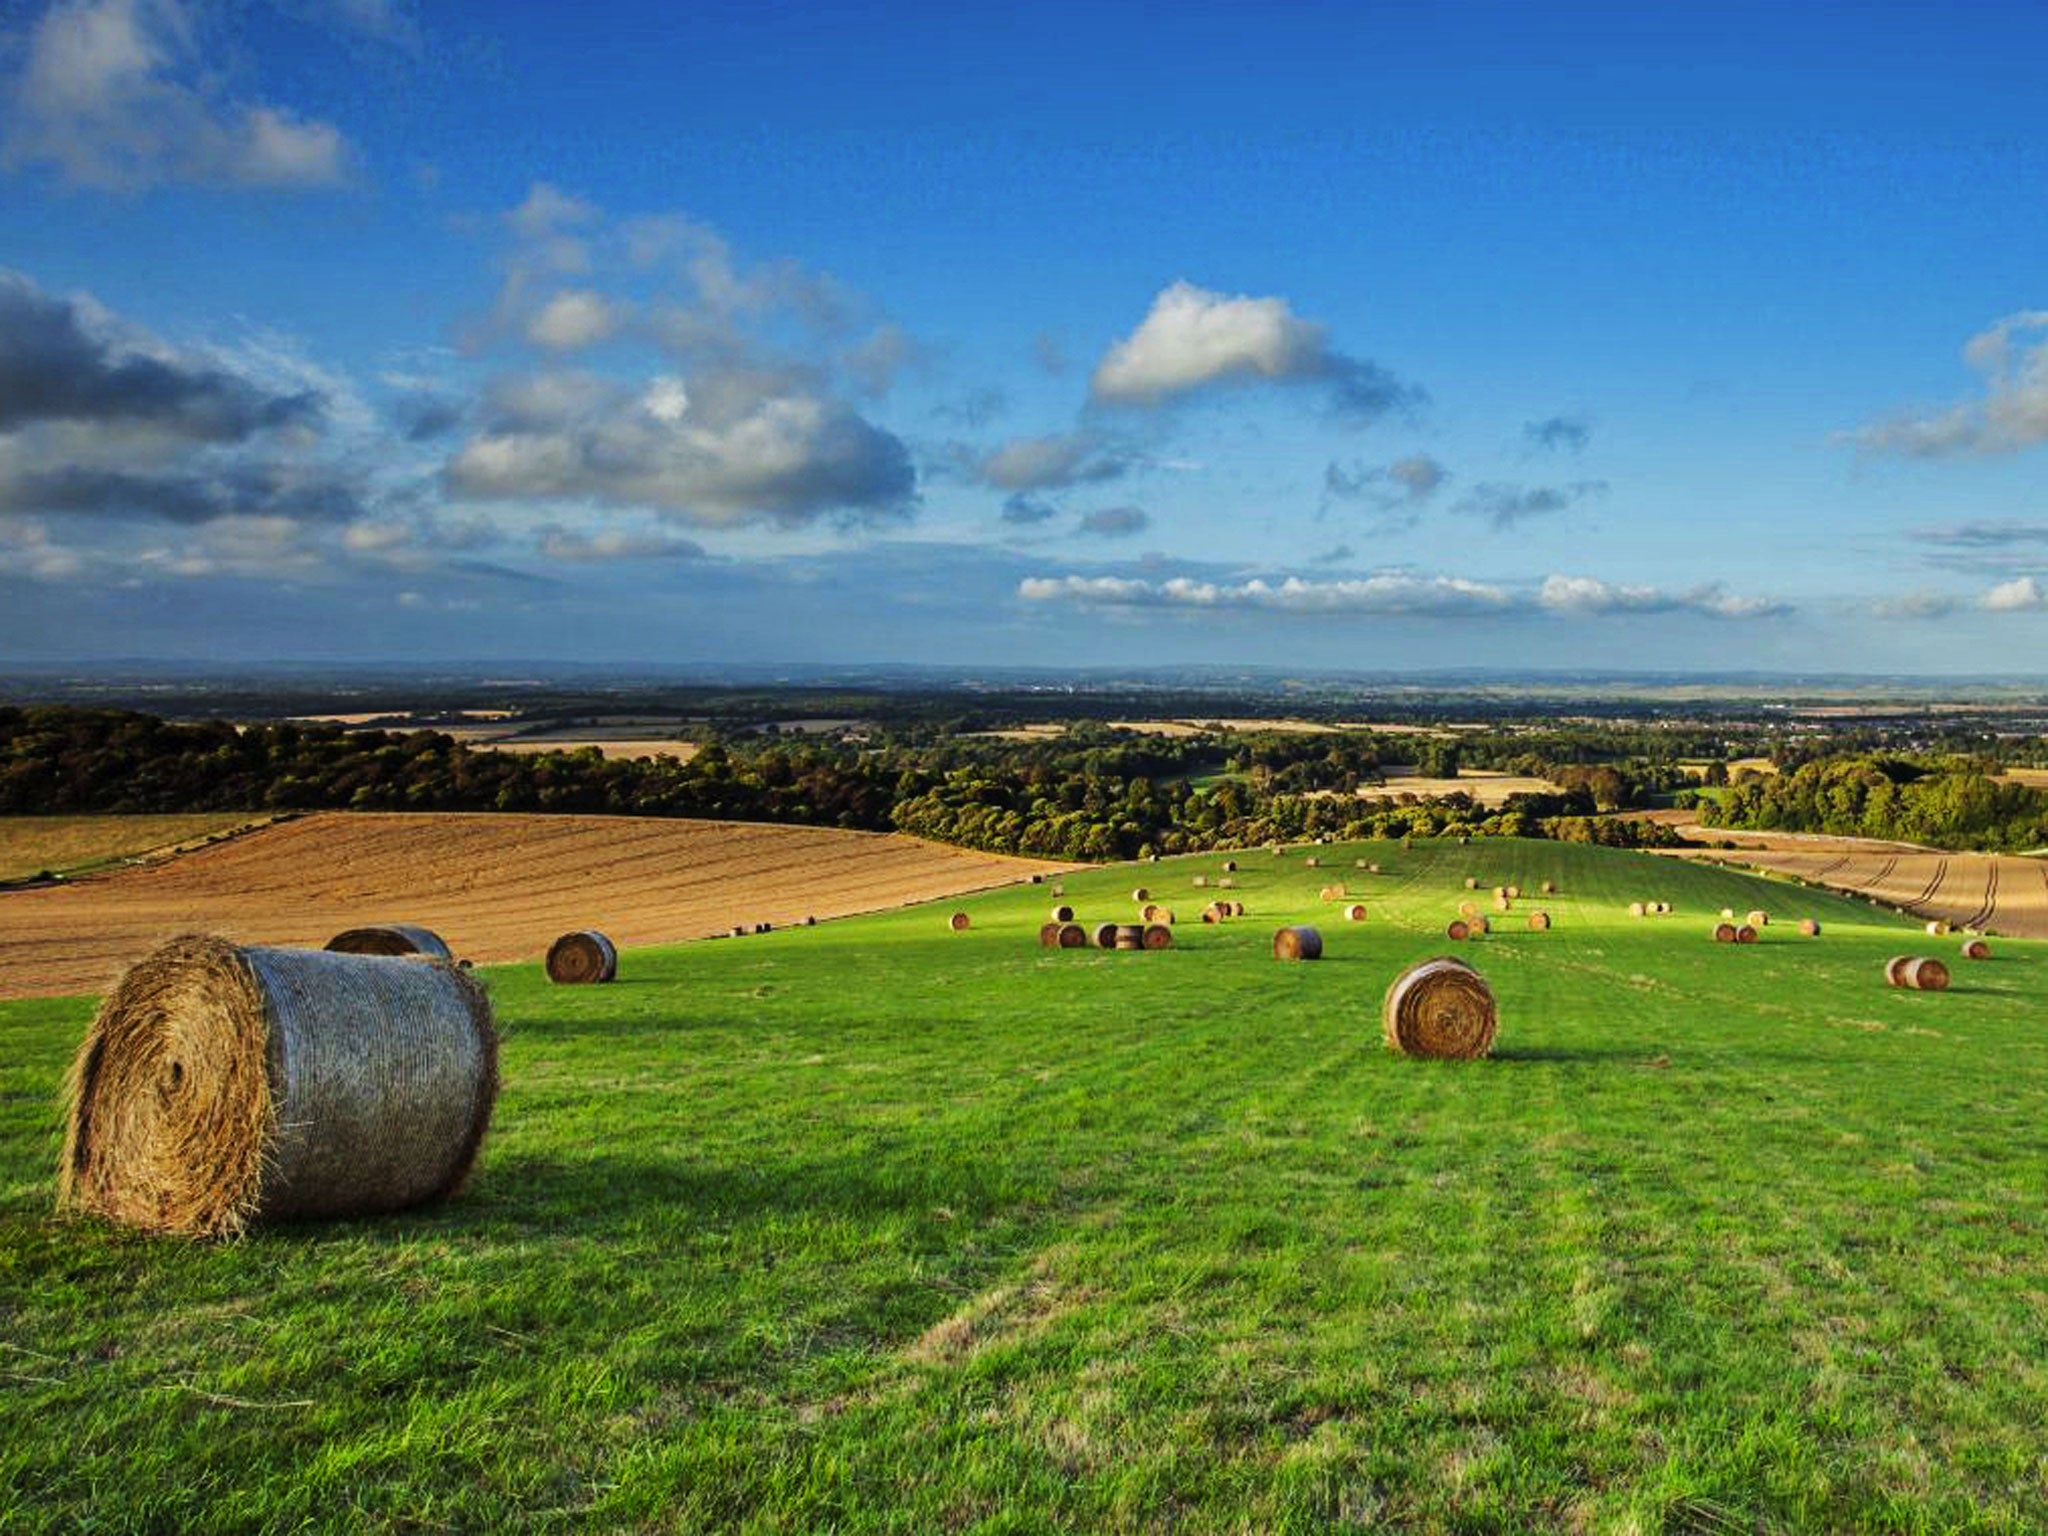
(221, 1085)
(1440, 1008)
(1924, 973)
(1976, 949)
(1158, 936)
(391, 939)
(959, 922)
(1298, 943)
(584, 957)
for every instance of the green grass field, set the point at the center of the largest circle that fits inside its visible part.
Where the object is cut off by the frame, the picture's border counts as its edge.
(879, 1227)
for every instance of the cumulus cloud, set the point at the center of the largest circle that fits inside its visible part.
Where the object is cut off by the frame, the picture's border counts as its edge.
(1419, 596)
(2011, 414)
(573, 319)
(65, 360)
(1194, 339)
(1914, 605)
(1555, 433)
(121, 94)
(186, 495)
(1585, 595)
(1047, 463)
(1115, 522)
(1505, 505)
(2023, 594)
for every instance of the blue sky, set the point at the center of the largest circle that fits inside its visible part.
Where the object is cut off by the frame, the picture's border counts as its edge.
(1311, 335)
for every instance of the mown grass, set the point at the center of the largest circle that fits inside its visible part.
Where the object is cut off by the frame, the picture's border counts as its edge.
(70, 845)
(879, 1227)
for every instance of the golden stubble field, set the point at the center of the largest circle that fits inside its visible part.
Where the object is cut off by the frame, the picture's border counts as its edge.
(495, 887)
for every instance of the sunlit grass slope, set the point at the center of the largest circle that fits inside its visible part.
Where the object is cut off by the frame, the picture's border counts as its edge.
(878, 1226)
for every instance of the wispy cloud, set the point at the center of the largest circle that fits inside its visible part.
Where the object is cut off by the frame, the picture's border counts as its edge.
(1115, 522)
(1504, 505)
(1048, 463)
(2011, 414)
(1555, 433)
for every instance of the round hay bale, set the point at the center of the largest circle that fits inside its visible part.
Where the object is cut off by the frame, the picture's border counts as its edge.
(1298, 943)
(1499, 891)
(585, 956)
(1372, 869)
(1129, 936)
(1163, 915)
(1073, 936)
(1440, 1008)
(1468, 910)
(1141, 895)
(1471, 883)
(1548, 888)
(1063, 914)
(1226, 884)
(1213, 913)
(1105, 935)
(1049, 936)
(1745, 934)
(959, 922)
(1059, 890)
(1038, 879)
(1976, 949)
(1503, 904)
(1359, 864)
(1538, 921)
(1158, 936)
(391, 939)
(221, 1085)
(1329, 893)
(1355, 913)
(1457, 930)
(1230, 866)
(1236, 908)
(810, 922)
(1514, 893)
(740, 930)
(1809, 928)
(1924, 973)
(1151, 912)
(1201, 882)
(1465, 840)
(1312, 862)
(1895, 970)
(1938, 929)
(1636, 909)
(1482, 924)
(1758, 919)
(1727, 914)
(1724, 933)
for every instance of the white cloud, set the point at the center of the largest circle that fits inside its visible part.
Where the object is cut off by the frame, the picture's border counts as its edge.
(547, 209)
(1588, 595)
(120, 94)
(2022, 594)
(1384, 594)
(573, 319)
(1048, 463)
(2011, 415)
(1193, 338)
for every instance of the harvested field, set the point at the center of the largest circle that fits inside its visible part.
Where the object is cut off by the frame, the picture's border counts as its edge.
(30, 845)
(2001, 892)
(1490, 789)
(495, 887)
(611, 747)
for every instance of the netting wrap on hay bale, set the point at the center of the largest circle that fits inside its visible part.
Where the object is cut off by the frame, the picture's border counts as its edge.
(391, 939)
(1441, 1008)
(221, 1085)
(583, 956)
(1298, 943)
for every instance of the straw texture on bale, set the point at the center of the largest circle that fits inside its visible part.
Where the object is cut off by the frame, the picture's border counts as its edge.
(1158, 936)
(1440, 1008)
(221, 1085)
(1809, 927)
(1355, 912)
(1924, 973)
(1458, 930)
(391, 939)
(583, 957)
(1724, 933)
(959, 922)
(1745, 934)
(1298, 943)
(1976, 949)
(1538, 921)
(1073, 936)
(1063, 914)
(1105, 935)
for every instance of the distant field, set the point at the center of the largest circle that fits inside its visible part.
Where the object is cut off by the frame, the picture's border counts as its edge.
(611, 747)
(879, 1227)
(31, 844)
(2033, 778)
(496, 887)
(1489, 789)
